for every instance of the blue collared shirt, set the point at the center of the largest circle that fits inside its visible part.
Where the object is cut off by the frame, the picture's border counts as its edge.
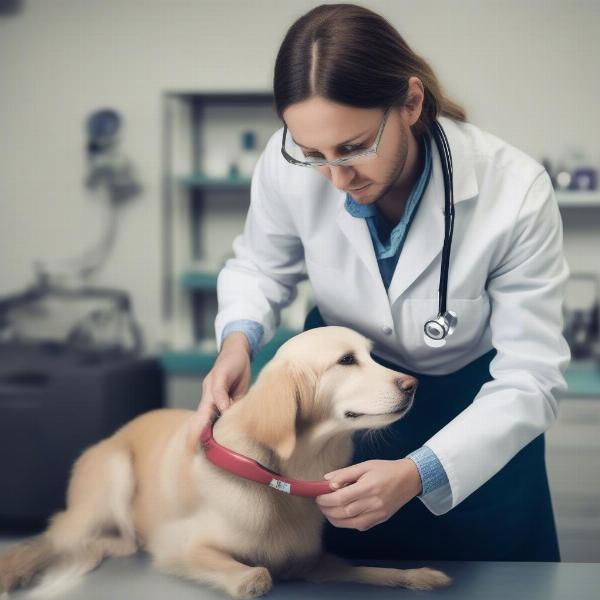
(388, 241)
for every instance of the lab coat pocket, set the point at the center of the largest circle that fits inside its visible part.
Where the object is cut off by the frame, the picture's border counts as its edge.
(472, 319)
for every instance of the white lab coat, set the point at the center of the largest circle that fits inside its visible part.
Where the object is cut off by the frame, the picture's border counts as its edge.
(506, 283)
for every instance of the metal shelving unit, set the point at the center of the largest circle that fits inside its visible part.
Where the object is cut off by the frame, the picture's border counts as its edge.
(189, 273)
(201, 216)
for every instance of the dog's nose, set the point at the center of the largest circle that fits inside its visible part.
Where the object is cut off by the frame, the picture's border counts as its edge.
(407, 385)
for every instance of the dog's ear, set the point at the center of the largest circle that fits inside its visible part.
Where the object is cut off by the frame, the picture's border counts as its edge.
(275, 404)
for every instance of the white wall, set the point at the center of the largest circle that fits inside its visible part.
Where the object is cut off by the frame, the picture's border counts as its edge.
(527, 71)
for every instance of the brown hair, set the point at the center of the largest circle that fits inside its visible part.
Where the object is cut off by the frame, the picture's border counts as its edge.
(351, 55)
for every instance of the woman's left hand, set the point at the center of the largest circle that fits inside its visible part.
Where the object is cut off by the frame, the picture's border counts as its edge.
(375, 490)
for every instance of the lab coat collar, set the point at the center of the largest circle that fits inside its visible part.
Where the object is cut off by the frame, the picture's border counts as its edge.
(465, 180)
(426, 234)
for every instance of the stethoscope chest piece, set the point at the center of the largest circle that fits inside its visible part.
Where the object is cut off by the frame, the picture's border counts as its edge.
(436, 330)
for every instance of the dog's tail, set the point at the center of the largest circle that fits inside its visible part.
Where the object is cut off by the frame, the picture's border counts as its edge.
(96, 523)
(66, 572)
(23, 561)
(60, 570)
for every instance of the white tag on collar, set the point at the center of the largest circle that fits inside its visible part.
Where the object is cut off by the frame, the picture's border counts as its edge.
(282, 486)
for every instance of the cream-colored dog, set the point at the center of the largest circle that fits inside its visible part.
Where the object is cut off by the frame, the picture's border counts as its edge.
(150, 487)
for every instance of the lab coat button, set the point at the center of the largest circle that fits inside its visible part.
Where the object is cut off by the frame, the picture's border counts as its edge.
(387, 330)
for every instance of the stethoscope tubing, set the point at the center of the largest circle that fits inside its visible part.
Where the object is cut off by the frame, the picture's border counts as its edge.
(446, 158)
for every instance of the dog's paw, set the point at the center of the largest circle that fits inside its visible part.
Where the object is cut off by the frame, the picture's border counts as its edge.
(426, 579)
(255, 583)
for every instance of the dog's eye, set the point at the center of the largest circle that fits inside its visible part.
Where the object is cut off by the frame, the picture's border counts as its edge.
(352, 415)
(347, 359)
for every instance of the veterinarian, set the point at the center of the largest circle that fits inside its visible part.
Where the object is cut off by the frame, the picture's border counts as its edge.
(462, 476)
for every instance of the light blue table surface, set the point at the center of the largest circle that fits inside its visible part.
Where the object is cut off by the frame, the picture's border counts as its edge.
(133, 578)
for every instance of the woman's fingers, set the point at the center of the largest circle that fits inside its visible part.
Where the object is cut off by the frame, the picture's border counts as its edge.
(221, 399)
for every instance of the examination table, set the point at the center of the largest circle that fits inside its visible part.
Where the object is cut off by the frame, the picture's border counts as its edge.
(134, 578)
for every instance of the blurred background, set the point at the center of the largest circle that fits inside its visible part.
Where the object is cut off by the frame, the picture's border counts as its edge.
(128, 135)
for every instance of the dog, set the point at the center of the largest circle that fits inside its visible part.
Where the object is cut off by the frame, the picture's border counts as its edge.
(149, 486)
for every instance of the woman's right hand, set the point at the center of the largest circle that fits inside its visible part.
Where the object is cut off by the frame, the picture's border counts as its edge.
(227, 381)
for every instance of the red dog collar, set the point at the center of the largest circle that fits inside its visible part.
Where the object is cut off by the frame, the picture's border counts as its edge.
(250, 469)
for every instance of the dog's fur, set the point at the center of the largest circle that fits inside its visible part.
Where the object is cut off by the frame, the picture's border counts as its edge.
(149, 486)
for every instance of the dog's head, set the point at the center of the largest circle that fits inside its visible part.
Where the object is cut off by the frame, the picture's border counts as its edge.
(324, 377)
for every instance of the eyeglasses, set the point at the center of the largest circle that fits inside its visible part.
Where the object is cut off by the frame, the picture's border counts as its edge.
(295, 155)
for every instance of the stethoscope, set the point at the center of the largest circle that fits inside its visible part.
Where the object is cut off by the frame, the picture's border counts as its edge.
(438, 328)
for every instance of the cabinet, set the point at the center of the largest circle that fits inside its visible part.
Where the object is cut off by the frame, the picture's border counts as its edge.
(205, 201)
(573, 463)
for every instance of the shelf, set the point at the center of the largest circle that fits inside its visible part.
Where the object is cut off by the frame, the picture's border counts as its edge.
(577, 199)
(224, 97)
(199, 280)
(564, 198)
(187, 361)
(216, 183)
(583, 378)
(200, 362)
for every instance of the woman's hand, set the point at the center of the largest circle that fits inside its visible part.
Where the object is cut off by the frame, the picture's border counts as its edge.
(227, 381)
(375, 490)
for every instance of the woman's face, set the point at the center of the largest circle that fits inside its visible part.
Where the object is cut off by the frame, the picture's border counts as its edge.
(330, 129)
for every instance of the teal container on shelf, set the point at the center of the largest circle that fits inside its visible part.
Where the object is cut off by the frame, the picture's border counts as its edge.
(199, 280)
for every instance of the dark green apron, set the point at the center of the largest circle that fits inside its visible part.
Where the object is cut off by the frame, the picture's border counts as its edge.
(509, 518)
